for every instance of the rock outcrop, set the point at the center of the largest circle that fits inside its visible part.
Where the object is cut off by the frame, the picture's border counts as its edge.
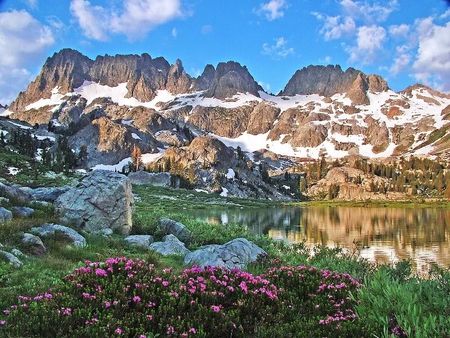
(169, 246)
(102, 200)
(49, 229)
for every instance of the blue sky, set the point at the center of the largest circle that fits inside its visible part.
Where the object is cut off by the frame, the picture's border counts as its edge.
(404, 41)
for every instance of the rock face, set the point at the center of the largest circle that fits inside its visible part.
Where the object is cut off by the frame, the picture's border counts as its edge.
(139, 240)
(33, 244)
(102, 200)
(236, 254)
(330, 80)
(155, 179)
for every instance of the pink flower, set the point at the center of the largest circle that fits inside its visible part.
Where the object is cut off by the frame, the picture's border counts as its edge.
(6, 312)
(192, 330)
(100, 272)
(142, 336)
(170, 330)
(136, 299)
(165, 283)
(215, 308)
(2, 322)
(107, 304)
(118, 330)
(48, 296)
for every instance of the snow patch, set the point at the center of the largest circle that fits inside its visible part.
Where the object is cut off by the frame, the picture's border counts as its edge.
(224, 192)
(135, 136)
(13, 171)
(231, 174)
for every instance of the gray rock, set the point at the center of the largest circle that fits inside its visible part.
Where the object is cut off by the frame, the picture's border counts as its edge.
(155, 179)
(23, 211)
(15, 193)
(33, 244)
(102, 200)
(179, 230)
(169, 246)
(18, 253)
(139, 240)
(49, 229)
(237, 253)
(4, 200)
(10, 258)
(48, 194)
(5, 215)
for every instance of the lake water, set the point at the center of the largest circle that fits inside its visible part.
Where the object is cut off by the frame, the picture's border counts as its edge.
(385, 234)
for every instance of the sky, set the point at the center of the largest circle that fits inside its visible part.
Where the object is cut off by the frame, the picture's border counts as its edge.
(404, 41)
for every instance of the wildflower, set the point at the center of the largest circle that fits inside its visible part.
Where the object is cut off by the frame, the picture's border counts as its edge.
(118, 330)
(6, 312)
(48, 296)
(215, 308)
(192, 330)
(136, 299)
(2, 322)
(100, 272)
(165, 283)
(170, 330)
(107, 304)
(142, 336)
(149, 317)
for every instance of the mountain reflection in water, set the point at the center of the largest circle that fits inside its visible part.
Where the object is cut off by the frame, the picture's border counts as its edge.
(385, 234)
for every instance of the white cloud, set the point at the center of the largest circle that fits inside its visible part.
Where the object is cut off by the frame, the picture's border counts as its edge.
(327, 60)
(135, 19)
(399, 31)
(174, 32)
(206, 29)
(335, 27)
(370, 41)
(274, 9)
(367, 12)
(433, 57)
(400, 63)
(266, 86)
(23, 40)
(93, 20)
(279, 49)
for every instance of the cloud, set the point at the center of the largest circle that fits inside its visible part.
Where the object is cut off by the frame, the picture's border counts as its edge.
(369, 13)
(327, 60)
(23, 40)
(134, 20)
(266, 86)
(174, 32)
(433, 59)
(279, 49)
(369, 43)
(207, 29)
(335, 27)
(399, 31)
(272, 10)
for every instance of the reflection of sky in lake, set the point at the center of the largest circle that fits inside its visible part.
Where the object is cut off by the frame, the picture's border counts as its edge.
(382, 234)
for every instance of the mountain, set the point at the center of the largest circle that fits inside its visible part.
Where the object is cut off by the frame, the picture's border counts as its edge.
(114, 102)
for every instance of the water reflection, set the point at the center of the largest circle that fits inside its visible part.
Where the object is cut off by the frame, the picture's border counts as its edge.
(384, 234)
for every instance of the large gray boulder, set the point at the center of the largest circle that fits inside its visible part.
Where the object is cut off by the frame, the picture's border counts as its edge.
(33, 244)
(14, 193)
(5, 215)
(102, 200)
(139, 240)
(49, 229)
(237, 253)
(155, 179)
(179, 230)
(170, 245)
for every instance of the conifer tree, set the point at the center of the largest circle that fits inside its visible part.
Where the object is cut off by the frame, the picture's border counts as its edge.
(136, 158)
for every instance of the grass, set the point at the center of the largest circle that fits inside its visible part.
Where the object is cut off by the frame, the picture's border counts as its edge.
(382, 301)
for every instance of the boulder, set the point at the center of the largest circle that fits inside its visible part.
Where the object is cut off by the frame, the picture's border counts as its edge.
(49, 229)
(5, 215)
(18, 253)
(179, 230)
(139, 240)
(48, 194)
(33, 244)
(10, 258)
(15, 193)
(102, 200)
(23, 211)
(155, 179)
(170, 246)
(237, 253)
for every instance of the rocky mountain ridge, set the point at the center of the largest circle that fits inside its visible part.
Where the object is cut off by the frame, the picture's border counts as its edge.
(113, 103)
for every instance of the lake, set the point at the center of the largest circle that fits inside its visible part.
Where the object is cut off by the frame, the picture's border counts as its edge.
(384, 234)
